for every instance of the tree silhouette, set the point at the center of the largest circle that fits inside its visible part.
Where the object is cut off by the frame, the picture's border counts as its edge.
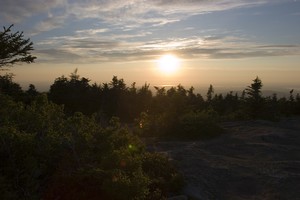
(75, 93)
(210, 93)
(30, 94)
(32, 90)
(255, 99)
(254, 90)
(117, 97)
(14, 48)
(8, 87)
(144, 97)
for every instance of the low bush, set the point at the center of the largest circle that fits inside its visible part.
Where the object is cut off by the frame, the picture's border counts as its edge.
(48, 155)
(199, 125)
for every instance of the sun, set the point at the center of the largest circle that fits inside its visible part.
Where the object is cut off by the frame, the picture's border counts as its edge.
(168, 64)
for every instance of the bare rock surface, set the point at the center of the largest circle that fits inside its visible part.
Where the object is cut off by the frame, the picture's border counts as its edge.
(252, 160)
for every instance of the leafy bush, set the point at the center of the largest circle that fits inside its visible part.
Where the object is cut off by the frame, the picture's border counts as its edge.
(45, 154)
(123, 186)
(199, 125)
(164, 178)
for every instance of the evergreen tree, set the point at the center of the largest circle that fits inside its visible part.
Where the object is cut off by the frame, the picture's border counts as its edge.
(14, 48)
(74, 93)
(254, 98)
(254, 90)
(210, 93)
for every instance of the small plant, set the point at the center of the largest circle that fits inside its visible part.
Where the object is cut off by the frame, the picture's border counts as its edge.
(199, 125)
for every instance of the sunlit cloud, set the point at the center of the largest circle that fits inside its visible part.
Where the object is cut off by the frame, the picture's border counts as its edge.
(56, 56)
(97, 48)
(92, 31)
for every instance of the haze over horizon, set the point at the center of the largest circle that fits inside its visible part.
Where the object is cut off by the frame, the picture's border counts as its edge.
(221, 42)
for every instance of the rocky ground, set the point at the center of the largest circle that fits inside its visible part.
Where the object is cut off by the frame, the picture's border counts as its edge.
(251, 160)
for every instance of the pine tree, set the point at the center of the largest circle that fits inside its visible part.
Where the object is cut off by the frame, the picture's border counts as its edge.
(14, 48)
(254, 98)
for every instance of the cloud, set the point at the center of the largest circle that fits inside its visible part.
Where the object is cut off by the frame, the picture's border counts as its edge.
(124, 13)
(202, 6)
(154, 12)
(57, 56)
(15, 11)
(127, 28)
(100, 48)
(48, 24)
(92, 31)
(280, 46)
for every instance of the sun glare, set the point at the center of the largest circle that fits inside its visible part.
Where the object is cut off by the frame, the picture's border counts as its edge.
(168, 64)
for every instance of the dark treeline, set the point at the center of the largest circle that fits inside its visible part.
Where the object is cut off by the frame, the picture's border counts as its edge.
(128, 102)
(167, 111)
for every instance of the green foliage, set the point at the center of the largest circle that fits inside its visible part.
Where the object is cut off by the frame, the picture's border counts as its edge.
(14, 48)
(172, 115)
(164, 178)
(14, 90)
(18, 163)
(8, 87)
(48, 155)
(202, 125)
(29, 147)
(122, 186)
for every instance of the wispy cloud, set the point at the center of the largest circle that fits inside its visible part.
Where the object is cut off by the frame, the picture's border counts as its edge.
(57, 56)
(125, 30)
(15, 11)
(153, 13)
(124, 13)
(48, 24)
(101, 49)
(92, 31)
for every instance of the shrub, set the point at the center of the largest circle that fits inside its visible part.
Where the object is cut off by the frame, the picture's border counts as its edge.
(45, 154)
(164, 178)
(199, 125)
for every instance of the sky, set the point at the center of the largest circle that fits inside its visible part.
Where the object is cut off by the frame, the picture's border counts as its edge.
(226, 43)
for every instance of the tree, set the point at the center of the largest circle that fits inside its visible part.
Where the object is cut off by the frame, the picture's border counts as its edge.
(255, 99)
(14, 48)
(32, 90)
(30, 94)
(254, 91)
(10, 88)
(75, 93)
(210, 93)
